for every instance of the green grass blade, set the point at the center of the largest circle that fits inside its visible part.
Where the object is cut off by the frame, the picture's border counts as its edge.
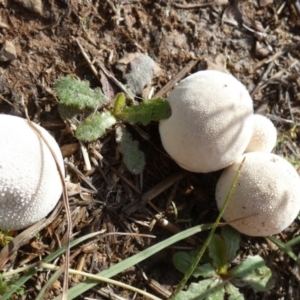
(211, 233)
(24, 278)
(129, 262)
(49, 283)
(285, 248)
(99, 279)
(293, 242)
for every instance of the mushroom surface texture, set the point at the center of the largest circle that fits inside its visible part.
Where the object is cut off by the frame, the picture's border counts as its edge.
(211, 122)
(30, 185)
(266, 196)
(264, 135)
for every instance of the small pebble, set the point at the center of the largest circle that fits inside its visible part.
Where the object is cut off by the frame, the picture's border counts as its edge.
(32, 5)
(8, 51)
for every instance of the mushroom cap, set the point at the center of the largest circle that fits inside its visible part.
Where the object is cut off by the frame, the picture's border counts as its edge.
(211, 122)
(266, 197)
(30, 185)
(264, 135)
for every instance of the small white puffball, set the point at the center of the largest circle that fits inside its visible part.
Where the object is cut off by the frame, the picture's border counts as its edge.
(30, 185)
(264, 135)
(266, 196)
(211, 122)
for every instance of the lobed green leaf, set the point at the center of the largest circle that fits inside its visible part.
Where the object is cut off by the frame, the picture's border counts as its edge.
(233, 292)
(206, 271)
(77, 97)
(183, 261)
(212, 289)
(94, 127)
(253, 272)
(133, 157)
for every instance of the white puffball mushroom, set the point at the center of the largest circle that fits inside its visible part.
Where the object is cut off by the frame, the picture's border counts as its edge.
(211, 121)
(30, 185)
(266, 196)
(264, 135)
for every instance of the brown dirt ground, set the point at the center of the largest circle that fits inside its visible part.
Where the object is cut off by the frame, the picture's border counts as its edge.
(256, 41)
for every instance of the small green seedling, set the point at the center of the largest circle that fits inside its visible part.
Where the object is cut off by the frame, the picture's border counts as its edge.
(87, 110)
(4, 239)
(6, 286)
(219, 278)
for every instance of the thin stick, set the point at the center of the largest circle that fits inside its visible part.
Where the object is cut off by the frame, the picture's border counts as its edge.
(166, 88)
(26, 235)
(190, 6)
(86, 157)
(128, 93)
(262, 79)
(276, 55)
(80, 175)
(155, 191)
(87, 59)
(65, 200)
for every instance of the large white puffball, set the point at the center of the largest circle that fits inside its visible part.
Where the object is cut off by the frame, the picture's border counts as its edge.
(30, 185)
(266, 196)
(211, 122)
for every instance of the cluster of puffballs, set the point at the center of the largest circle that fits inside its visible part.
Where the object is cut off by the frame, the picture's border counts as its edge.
(213, 127)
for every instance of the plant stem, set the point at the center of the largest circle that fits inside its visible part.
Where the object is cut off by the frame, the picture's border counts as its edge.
(188, 274)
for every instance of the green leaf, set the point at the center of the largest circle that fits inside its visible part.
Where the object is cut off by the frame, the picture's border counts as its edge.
(120, 102)
(183, 261)
(77, 97)
(253, 272)
(147, 111)
(218, 253)
(232, 239)
(133, 157)
(210, 289)
(94, 127)
(206, 271)
(233, 292)
(69, 111)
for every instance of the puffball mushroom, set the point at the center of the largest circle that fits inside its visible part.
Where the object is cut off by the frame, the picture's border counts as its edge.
(266, 196)
(30, 185)
(211, 122)
(264, 135)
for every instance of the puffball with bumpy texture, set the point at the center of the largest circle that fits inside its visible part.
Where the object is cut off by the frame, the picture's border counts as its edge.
(211, 122)
(30, 185)
(264, 135)
(266, 196)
